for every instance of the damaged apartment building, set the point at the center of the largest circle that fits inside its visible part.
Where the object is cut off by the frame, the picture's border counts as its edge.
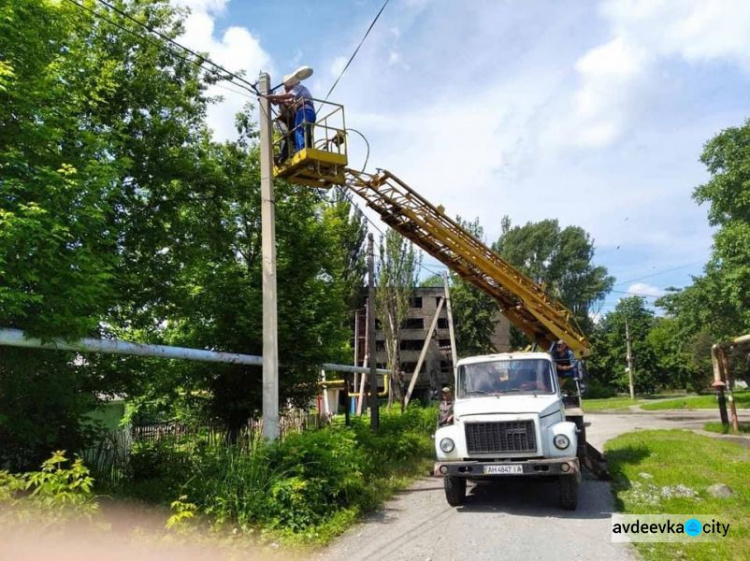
(437, 368)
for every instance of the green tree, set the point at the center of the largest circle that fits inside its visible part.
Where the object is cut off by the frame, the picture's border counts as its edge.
(119, 216)
(559, 259)
(608, 364)
(475, 314)
(722, 291)
(396, 276)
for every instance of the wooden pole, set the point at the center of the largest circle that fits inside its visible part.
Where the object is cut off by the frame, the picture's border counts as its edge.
(374, 409)
(365, 362)
(428, 339)
(454, 353)
(356, 354)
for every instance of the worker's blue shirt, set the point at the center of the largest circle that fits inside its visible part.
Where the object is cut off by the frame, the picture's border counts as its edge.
(563, 359)
(301, 92)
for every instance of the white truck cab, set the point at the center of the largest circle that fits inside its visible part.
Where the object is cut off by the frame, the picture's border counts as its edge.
(509, 420)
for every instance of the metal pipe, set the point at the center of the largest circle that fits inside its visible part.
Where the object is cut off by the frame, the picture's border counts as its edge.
(719, 385)
(743, 339)
(17, 338)
(338, 384)
(724, 361)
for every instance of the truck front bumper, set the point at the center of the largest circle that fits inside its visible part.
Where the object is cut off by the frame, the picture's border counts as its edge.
(476, 469)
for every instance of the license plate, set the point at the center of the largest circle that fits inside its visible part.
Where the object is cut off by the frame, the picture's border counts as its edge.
(503, 470)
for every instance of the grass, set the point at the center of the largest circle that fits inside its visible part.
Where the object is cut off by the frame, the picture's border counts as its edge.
(683, 458)
(720, 428)
(619, 402)
(742, 400)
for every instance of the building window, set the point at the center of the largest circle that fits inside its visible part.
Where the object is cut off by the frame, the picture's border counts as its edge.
(442, 323)
(413, 323)
(379, 346)
(408, 367)
(445, 366)
(411, 344)
(416, 302)
(444, 343)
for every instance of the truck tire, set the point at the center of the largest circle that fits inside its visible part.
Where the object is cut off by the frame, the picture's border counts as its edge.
(568, 485)
(455, 490)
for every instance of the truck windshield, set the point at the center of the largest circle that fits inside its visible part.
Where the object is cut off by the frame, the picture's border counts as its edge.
(530, 376)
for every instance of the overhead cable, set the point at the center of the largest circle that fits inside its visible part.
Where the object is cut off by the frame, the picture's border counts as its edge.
(201, 59)
(351, 58)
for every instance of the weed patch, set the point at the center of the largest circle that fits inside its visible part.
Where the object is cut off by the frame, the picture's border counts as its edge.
(305, 489)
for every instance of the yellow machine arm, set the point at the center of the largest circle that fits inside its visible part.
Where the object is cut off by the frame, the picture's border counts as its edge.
(521, 300)
(321, 162)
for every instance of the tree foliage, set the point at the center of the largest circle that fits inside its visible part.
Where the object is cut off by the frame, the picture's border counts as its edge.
(560, 259)
(475, 314)
(396, 276)
(609, 350)
(120, 216)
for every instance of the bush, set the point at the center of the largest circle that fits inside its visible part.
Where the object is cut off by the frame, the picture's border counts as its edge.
(597, 390)
(55, 494)
(295, 486)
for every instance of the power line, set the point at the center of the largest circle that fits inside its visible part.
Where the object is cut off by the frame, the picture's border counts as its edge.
(641, 294)
(659, 273)
(171, 51)
(178, 45)
(351, 58)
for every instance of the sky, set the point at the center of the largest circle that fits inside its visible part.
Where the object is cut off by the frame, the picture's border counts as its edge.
(593, 113)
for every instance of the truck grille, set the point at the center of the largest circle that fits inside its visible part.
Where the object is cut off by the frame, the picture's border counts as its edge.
(508, 436)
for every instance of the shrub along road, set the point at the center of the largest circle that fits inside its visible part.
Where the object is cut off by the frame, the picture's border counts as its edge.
(513, 519)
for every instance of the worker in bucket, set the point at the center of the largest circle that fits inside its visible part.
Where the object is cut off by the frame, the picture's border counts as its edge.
(297, 100)
(565, 362)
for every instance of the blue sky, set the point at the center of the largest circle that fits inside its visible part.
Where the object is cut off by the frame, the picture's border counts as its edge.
(591, 112)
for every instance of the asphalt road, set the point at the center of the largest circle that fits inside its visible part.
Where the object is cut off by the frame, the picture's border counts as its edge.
(511, 519)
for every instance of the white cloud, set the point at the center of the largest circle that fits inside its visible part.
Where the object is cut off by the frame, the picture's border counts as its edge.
(496, 98)
(338, 65)
(236, 50)
(614, 76)
(643, 289)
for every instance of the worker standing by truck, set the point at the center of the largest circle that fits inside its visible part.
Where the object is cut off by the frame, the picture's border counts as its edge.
(445, 416)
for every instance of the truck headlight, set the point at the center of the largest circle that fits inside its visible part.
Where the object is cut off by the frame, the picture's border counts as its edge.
(561, 441)
(447, 445)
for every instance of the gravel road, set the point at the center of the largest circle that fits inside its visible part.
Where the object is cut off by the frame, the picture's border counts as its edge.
(510, 519)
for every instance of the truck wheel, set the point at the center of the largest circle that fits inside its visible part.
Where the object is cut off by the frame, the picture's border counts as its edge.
(455, 490)
(568, 491)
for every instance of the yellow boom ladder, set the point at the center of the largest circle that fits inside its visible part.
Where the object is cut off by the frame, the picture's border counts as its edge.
(521, 300)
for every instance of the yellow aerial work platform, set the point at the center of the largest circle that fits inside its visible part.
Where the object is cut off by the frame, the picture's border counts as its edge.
(312, 153)
(321, 161)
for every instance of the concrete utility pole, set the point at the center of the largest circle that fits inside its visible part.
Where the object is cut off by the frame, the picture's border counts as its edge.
(629, 358)
(268, 249)
(374, 410)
